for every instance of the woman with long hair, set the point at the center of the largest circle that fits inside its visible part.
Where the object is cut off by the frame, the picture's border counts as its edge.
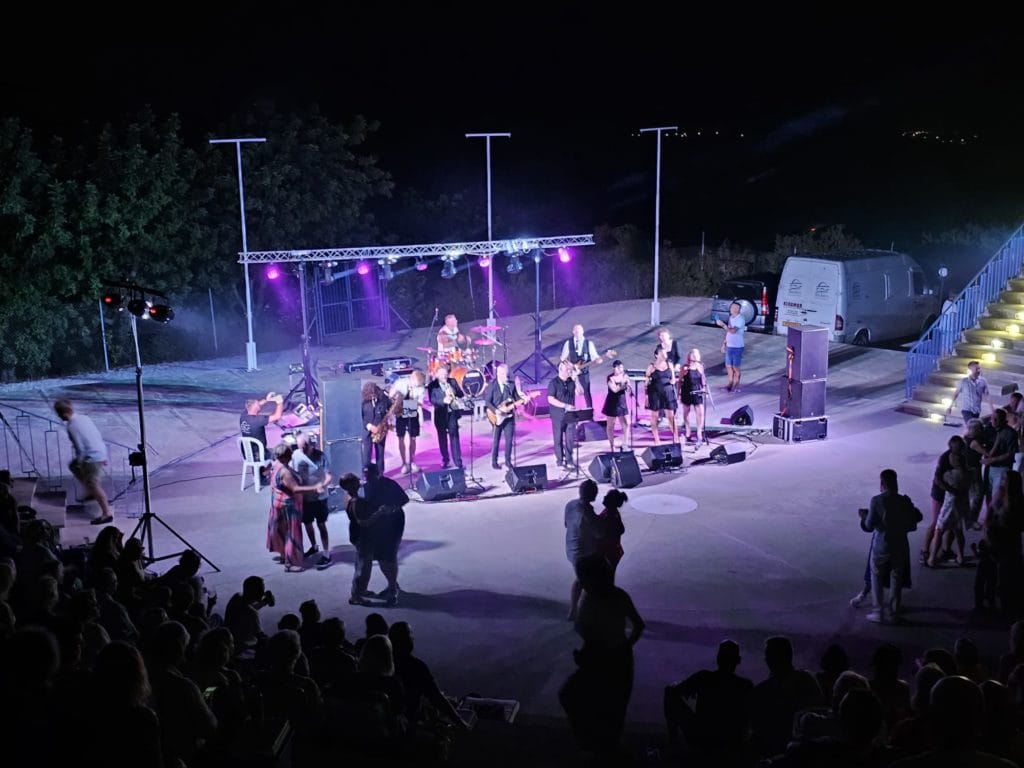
(284, 528)
(661, 394)
(615, 407)
(692, 387)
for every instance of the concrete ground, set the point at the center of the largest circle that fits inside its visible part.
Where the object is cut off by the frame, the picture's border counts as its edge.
(767, 546)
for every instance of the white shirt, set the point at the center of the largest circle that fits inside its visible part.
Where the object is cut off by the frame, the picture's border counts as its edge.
(310, 472)
(447, 338)
(412, 396)
(736, 339)
(581, 345)
(86, 440)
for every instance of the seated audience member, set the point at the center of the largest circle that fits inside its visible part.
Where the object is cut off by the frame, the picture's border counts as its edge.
(775, 702)
(912, 735)
(186, 611)
(106, 550)
(940, 657)
(859, 724)
(7, 619)
(375, 624)
(957, 712)
(40, 605)
(221, 686)
(122, 694)
(241, 615)
(376, 676)
(186, 721)
(826, 723)
(286, 693)
(113, 616)
(833, 663)
(332, 662)
(186, 570)
(28, 669)
(132, 576)
(1015, 653)
(309, 631)
(968, 662)
(886, 684)
(292, 623)
(719, 720)
(417, 680)
(84, 611)
(1001, 735)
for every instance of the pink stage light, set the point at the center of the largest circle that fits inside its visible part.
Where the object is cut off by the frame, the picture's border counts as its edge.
(484, 261)
(363, 268)
(564, 256)
(273, 272)
(421, 265)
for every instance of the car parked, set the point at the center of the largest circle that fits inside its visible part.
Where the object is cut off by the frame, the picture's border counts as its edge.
(756, 297)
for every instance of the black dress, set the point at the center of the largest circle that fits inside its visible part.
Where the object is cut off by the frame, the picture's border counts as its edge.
(691, 387)
(661, 395)
(615, 402)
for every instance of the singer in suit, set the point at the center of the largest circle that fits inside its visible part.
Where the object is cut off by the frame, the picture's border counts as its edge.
(500, 391)
(442, 394)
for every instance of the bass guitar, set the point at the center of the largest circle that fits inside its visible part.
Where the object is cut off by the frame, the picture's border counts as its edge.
(504, 411)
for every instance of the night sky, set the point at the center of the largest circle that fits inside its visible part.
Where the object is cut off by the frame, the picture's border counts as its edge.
(811, 115)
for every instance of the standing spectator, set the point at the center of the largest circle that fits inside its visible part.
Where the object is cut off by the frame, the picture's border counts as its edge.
(890, 518)
(311, 465)
(580, 536)
(90, 457)
(956, 508)
(387, 503)
(1003, 531)
(360, 516)
(938, 492)
(596, 696)
(610, 528)
(284, 528)
(719, 722)
(970, 393)
(732, 346)
(1000, 456)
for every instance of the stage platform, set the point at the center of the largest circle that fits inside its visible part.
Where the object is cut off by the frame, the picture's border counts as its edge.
(765, 546)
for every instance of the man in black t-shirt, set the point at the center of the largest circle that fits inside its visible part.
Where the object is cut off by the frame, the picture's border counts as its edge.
(253, 423)
(562, 398)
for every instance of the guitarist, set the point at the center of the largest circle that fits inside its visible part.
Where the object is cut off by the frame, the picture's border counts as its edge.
(581, 352)
(376, 413)
(500, 399)
(562, 398)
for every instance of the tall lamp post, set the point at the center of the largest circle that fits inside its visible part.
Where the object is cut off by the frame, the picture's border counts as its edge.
(250, 347)
(490, 271)
(655, 304)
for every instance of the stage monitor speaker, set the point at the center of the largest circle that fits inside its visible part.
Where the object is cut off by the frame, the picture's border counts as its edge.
(742, 417)
(591, 431)
(810, 352)
(342, 415)
(728, 454)
(663, 456)
(532, 477)
(802, 399)
(620, 469)
(441, 485)
(345, 456)
(537, 406)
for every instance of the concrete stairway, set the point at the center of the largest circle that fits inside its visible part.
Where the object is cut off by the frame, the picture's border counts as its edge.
(997, 342)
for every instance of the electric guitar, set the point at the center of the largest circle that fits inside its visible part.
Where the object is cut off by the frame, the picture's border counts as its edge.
(504, 411)
(581, 366)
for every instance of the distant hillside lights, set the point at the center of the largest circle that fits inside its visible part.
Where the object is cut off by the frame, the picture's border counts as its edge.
(934, 137)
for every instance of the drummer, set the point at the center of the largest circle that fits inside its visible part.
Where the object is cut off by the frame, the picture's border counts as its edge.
(449, 337)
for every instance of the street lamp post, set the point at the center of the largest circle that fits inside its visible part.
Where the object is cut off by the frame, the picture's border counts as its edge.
(655, 304)
(250, 347)
(490, 270)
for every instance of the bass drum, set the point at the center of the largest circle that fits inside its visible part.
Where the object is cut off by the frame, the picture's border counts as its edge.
(471, 380)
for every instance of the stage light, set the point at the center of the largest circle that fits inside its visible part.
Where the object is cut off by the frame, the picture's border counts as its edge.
(363, 268)
(161, 313)
(448, 270)
(273, 272)
(1013, 328)
(1019, 315)
(139, 307)
(946, 402)
(386, 271)
(937, 416)
(514, 266)
(421, 265)
(997, 344)
(484, 261)
(113, 301)
(988, 357)
(537, 255)
(564, 256)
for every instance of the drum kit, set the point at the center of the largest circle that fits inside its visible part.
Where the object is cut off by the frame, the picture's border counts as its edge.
(466, 364)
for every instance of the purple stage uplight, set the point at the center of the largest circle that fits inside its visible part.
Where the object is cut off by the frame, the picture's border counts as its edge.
(564, 255)
(484, 261)
(421, 265)
(363, 268)
(273, 272)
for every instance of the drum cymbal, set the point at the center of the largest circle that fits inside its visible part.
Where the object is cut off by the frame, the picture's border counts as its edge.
(425, 349)
(484, 342)
(486, 328)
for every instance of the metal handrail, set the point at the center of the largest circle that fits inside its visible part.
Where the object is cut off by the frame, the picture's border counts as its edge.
(939, 340)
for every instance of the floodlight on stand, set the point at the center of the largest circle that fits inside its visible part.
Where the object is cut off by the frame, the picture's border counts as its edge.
(139, 307)
(564, 255)
(113, 301)
(161, 313)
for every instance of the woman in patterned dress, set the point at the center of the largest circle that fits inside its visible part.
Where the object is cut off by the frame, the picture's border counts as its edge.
(284, 529)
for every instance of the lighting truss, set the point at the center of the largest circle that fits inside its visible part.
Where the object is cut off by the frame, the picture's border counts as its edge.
(411, 251)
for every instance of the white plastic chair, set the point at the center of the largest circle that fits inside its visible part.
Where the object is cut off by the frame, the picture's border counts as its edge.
(254, 456)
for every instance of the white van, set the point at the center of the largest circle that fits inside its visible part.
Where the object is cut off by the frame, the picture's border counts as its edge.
(861, 297)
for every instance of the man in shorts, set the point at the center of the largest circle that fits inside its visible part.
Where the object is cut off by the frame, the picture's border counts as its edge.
(412, 391)
(90, 457)
(311, 465)
(733, 345)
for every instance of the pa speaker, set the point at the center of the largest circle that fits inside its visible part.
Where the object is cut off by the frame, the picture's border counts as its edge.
(802, 399)
(591, 431)
(532, 477)
(742, 417)
(620, 469)
(345, 456)
(663, 456)
(342, 415)
(537, 406)
(728, 454)
(810, 352)
(445, 484)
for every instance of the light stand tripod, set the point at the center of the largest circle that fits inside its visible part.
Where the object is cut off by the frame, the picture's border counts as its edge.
(308, 383)
(144, 528)
(471, 477)
(537, 356)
